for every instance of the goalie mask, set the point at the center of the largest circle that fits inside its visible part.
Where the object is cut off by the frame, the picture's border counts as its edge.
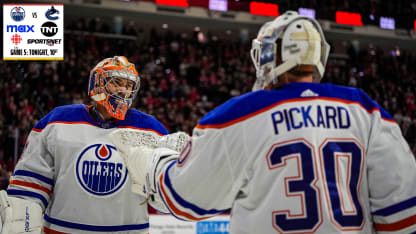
(114, 83)
(286, 42)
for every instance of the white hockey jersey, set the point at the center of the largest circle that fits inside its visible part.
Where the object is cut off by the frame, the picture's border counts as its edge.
(307, 158)
(71, 168)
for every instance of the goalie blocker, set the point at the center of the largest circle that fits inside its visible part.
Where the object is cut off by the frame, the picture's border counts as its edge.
(19, 215)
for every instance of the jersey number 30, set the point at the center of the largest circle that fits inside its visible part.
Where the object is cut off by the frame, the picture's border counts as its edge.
(341, 164)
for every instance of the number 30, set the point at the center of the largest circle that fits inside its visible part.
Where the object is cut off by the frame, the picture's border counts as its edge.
(331, 152)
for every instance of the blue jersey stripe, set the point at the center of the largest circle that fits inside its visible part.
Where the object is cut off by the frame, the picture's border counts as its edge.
(87, 227)
(33, 175)
(184, 203)
(166, 205)
(67, 114)
(247, 104)
(170, 210)
(16, 192)
(396, 207)
(78, 114)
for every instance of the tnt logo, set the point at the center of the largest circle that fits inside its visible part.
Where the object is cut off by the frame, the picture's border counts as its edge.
(49, 29)
(16, 39)
(17, 14)
(100, 171)
(20, 28)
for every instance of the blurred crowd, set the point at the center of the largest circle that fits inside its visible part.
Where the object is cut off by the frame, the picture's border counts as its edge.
(182, 77)
(403, 11)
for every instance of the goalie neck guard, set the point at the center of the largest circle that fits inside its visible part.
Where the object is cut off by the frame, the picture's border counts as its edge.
(286, 42)
(114, 83)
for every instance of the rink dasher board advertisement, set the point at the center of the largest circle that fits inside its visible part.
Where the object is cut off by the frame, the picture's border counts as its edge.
(33, 31)
(168, 224)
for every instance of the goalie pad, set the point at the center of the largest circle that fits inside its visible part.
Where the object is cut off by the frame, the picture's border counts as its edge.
(19, 215)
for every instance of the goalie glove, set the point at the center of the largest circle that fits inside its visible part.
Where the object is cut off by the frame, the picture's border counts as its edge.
(145, 154)
(144, 165)
(125, 139)
(19, 215)
(175, 141)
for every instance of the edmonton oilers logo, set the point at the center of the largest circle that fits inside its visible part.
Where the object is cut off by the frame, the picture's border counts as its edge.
(17, 14)
(99, 171)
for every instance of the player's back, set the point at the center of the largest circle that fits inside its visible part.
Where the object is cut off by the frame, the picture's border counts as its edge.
(308, 156)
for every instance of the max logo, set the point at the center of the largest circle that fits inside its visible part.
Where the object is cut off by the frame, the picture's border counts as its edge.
(51, 14)
(20, 28)
(100, 171)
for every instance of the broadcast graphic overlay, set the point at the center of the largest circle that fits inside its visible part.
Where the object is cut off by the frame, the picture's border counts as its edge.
(33, 31)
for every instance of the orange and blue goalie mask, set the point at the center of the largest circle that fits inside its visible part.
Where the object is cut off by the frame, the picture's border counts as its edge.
(114, 83)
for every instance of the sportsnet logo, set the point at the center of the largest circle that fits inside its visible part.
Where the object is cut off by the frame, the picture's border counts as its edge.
(48, 42)
(17, 14)
(16, 39)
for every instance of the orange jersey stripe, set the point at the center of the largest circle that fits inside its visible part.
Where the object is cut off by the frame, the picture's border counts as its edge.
(31, 185)
(223, 125)
(172, 206)
(402, 224)
(50, 231)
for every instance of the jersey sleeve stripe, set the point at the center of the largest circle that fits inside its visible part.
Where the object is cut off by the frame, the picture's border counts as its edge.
(164, 180)
(396, 207)
(402, 224)
(170, 203)
(142, 129)
(33, 175)
(50, 231)
(172, 207)
(96, 228)
(184, 203)
(242, 118)
(28, 194)
(31, 185)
